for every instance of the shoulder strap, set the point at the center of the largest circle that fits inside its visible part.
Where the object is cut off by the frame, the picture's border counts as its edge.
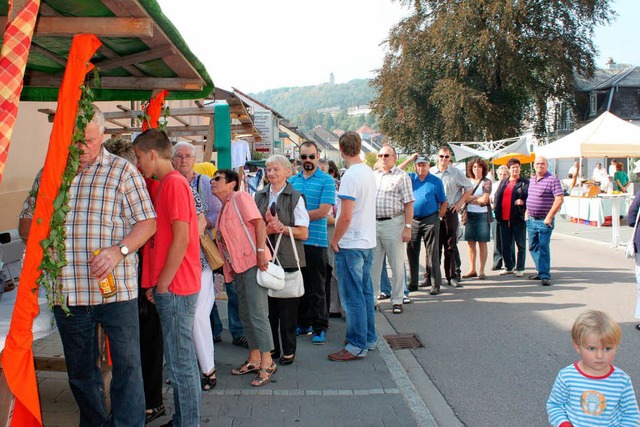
(246, 230)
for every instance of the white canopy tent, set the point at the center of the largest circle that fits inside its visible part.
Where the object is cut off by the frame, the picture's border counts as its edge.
(490, 149)
(606, 136)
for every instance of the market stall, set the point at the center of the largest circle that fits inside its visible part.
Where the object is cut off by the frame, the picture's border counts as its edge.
(139, 53)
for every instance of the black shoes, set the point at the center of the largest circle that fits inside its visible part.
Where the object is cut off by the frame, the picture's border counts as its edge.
(434, 291)
(412, 288)
(546, 282)
(155, 413)
(534, 277)
(638, 326)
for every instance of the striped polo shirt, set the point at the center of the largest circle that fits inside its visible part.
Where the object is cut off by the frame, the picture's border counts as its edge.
(542, 193)
(318, 189)
(584, 400)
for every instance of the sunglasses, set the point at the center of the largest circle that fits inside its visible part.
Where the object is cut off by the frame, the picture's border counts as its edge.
(384, 155)
(444, 156)
(218, 178)
(310, 156)
(184, 157)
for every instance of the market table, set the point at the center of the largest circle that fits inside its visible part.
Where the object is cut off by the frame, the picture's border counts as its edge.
(616, 200)
(592, 209)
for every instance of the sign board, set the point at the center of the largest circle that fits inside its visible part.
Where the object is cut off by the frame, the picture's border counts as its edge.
(263, 121)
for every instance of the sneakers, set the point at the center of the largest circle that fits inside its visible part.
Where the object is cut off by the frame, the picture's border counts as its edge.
(319, 337)
(546, 282)
(505, 272)
(241, 342)
(304, 331)
(455, 283)
(519, 273)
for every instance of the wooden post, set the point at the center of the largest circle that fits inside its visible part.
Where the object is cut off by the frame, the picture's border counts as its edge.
(211, 137)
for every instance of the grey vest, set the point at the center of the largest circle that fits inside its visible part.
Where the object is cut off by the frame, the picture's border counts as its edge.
(287, 201)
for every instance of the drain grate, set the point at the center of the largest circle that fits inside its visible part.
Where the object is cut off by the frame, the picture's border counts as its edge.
(403, 341)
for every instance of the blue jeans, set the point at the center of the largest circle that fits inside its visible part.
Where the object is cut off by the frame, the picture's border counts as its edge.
(235, 325)
(356, 296)
(81, 352)
(176, 314)
(539, 240)
(385, 283)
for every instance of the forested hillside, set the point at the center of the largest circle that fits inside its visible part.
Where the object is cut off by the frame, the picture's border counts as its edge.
(300, 104)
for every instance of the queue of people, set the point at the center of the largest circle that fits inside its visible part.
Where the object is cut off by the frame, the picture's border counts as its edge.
(336, 231)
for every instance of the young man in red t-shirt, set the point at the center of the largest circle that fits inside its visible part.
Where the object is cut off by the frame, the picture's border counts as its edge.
(175, 272)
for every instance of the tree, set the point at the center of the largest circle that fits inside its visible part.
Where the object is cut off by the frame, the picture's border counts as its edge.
(478, 70)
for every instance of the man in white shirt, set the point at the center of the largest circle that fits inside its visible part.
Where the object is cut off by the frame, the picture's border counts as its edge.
(353, 241)
(612, 167)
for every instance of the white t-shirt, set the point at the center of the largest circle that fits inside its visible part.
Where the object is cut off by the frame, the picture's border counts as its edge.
(359, 184)
(239, 153)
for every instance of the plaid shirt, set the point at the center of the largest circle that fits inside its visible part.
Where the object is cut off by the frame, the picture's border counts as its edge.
(393, 191)
(106, 199)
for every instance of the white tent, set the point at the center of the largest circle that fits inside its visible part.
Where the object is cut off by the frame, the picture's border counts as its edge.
(606, 136)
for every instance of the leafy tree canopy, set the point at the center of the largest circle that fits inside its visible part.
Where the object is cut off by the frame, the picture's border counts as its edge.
(480, 69)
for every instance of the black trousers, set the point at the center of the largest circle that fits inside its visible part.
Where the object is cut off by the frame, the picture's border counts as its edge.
(283, 318)
(312, 310)
(448, 243)
(151, 352)
(427, 230)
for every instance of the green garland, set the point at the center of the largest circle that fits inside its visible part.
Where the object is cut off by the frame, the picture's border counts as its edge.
(54, 258)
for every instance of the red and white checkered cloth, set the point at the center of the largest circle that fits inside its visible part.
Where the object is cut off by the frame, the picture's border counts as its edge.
(13, 61)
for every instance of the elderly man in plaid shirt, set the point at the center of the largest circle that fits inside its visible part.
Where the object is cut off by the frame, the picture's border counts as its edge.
(110, 210)
(394, 215)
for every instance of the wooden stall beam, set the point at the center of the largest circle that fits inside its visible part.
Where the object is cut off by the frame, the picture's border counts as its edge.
(102, 27)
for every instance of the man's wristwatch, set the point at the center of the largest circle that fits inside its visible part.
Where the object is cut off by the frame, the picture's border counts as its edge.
(260, 250)
(407, 225)
(123, 249)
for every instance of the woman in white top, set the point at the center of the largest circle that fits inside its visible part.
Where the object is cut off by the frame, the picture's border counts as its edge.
(478, 217)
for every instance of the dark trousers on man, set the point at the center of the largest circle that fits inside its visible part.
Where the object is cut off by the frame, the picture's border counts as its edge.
(448, 242)
(151, 353)
(312, 310)
(425, 229)
(497, 247)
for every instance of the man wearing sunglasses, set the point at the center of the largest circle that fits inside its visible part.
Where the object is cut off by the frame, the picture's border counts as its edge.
(457, 188)
(319, 191)
(394, 215)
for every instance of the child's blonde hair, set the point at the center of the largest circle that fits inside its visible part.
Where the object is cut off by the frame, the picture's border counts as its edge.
(599, 323)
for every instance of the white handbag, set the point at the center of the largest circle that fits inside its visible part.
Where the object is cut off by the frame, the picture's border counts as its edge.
(630, 250)
(293, 281)
(273, 276)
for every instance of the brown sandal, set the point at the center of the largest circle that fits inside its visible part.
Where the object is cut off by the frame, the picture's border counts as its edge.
(246, 368)
(259, 381)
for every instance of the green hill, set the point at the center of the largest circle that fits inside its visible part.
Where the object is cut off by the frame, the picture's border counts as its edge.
(301, 104)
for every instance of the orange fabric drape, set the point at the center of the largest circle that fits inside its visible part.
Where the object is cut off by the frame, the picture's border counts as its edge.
(16, 43)
(154, 108)
(17, 358)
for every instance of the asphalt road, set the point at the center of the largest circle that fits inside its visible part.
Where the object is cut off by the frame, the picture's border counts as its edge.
(494, 347)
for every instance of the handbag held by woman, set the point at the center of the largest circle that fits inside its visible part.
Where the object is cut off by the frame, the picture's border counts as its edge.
(293, 281)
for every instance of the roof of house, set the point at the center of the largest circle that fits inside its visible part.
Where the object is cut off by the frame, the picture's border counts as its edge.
(323, 137)
(141, 51)
(607, 78)
(280, 116)
(365, 129)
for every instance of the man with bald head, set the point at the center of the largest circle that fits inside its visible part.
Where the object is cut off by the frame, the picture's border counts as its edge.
(543, 202)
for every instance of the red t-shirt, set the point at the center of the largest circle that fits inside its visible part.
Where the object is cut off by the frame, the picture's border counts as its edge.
(174, 202)
(506, 200)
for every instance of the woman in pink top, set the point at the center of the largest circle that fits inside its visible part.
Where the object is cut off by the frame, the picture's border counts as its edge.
(241, 263)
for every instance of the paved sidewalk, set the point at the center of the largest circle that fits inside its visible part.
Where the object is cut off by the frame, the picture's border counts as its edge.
(313, 391)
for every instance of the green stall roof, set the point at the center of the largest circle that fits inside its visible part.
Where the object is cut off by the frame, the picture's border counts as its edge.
(141, 51)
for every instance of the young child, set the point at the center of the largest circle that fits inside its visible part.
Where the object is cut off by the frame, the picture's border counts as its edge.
(592, 392)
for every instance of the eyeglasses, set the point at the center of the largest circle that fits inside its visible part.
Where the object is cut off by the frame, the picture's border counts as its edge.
(184, 156)
(384, 155)
(310, 156)
(444, 156)
(218, 178)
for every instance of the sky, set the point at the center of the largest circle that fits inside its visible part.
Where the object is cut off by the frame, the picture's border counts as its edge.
(255, 45)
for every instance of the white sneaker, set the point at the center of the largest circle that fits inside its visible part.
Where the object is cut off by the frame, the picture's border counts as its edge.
(505, 272)
(519, 273)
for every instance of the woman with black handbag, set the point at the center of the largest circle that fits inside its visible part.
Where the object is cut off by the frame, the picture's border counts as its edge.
(285, 214)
